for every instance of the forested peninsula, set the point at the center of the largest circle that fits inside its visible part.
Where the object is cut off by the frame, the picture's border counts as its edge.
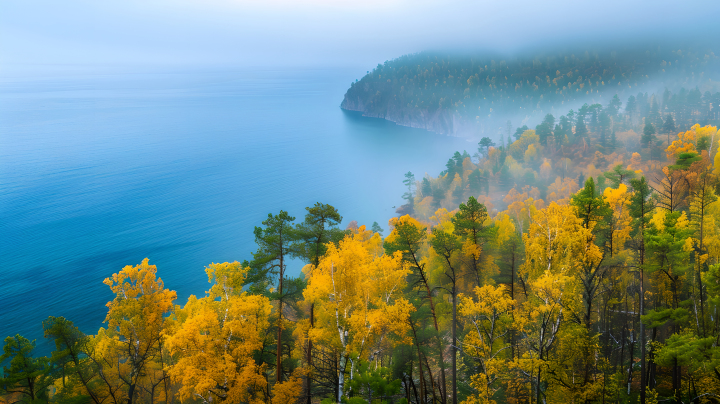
(576, 261)
(466, 94)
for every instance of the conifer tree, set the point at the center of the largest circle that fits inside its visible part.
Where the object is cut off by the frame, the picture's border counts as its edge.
(470, 223)
(648, 134)
(641, 208)
(274, 242)
(23, 378)
(669, 127)
(580, 128)
(319, 228)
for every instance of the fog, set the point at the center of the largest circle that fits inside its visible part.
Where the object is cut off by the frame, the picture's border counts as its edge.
(204, 33)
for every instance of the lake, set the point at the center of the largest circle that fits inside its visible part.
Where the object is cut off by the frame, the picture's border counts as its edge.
(98, 171)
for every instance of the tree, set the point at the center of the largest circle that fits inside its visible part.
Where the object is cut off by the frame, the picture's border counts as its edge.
(357, 296)
(580, 128)
(409, 182)
(374, 383)
(589, 205)
(671, 189)
(669, 127)
(594, 123)
(426, 188)
(24, 377)
(539, 321)
(518, 133)
(604, 123)
(274, 245)
(654, 112)
(452, 169)
(593, 212)
(136, 320)
(619, 175)
(702, 197)
(631, 106)
(668, 259)
(447, 247)
(544, 130)
(70, 355)
(476, 181)
(409, 238)
(486, 143)
(640, 210)
(488, 321)
(216, 337)
(648, 134)
(319, 228)
(565, 127)
(469, 223)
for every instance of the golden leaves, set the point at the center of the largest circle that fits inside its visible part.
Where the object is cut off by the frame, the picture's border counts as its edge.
(215, 338)
(619, 201)
(358, 292)
(685, 143)
(289, 391)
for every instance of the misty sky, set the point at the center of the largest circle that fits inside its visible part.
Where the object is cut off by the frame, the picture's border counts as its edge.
(321, 32)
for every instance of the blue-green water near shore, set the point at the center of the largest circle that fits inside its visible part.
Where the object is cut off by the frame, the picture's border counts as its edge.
(98, 171)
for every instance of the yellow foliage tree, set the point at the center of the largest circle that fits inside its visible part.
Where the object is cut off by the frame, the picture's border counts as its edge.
(619, 201)
(358, 300)
(215, 337)
(685, 143)
(136, 321)
(487, 323)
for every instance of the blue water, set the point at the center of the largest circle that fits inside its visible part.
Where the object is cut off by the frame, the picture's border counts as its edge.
(98, 171)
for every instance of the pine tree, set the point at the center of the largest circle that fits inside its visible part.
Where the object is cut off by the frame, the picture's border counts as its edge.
(409, 196)
(270, 262)
(24, 377)
(580, 129)
(648, 134)
(669, 127)
(470, 223)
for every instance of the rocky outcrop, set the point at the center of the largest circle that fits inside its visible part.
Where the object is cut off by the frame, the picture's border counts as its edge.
(439, 121)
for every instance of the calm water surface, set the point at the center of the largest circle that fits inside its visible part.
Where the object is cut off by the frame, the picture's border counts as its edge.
(100, 171)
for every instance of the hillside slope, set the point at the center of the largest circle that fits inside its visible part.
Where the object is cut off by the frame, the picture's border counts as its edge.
(462, 95)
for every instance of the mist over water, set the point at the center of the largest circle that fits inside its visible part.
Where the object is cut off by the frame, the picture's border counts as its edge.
(112, 150)
(100, 171)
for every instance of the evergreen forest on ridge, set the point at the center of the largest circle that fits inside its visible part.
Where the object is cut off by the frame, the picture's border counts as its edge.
(464, 95)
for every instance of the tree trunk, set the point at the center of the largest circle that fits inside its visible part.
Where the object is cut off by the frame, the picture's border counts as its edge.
(131, 393)
(341, 376)
(643, 379)
(278, 365)
(454, 354)
(308, 381)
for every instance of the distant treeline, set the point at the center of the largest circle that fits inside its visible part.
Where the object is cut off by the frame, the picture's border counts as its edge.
(482, 87)
(578, 144)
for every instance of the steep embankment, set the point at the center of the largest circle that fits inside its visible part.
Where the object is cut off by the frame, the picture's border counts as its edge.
(459, 95)
(437, 120)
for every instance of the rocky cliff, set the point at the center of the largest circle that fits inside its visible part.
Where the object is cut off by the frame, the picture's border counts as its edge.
(440, 121)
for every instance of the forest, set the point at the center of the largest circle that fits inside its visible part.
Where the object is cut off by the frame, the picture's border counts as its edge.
(578, 261)
(482, 91)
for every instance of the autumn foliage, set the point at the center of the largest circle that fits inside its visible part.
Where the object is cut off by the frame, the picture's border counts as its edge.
(603, 286)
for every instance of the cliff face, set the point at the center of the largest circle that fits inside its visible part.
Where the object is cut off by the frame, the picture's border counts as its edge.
(439, 121)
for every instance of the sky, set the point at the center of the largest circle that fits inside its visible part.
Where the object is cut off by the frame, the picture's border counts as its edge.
(266, 33)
